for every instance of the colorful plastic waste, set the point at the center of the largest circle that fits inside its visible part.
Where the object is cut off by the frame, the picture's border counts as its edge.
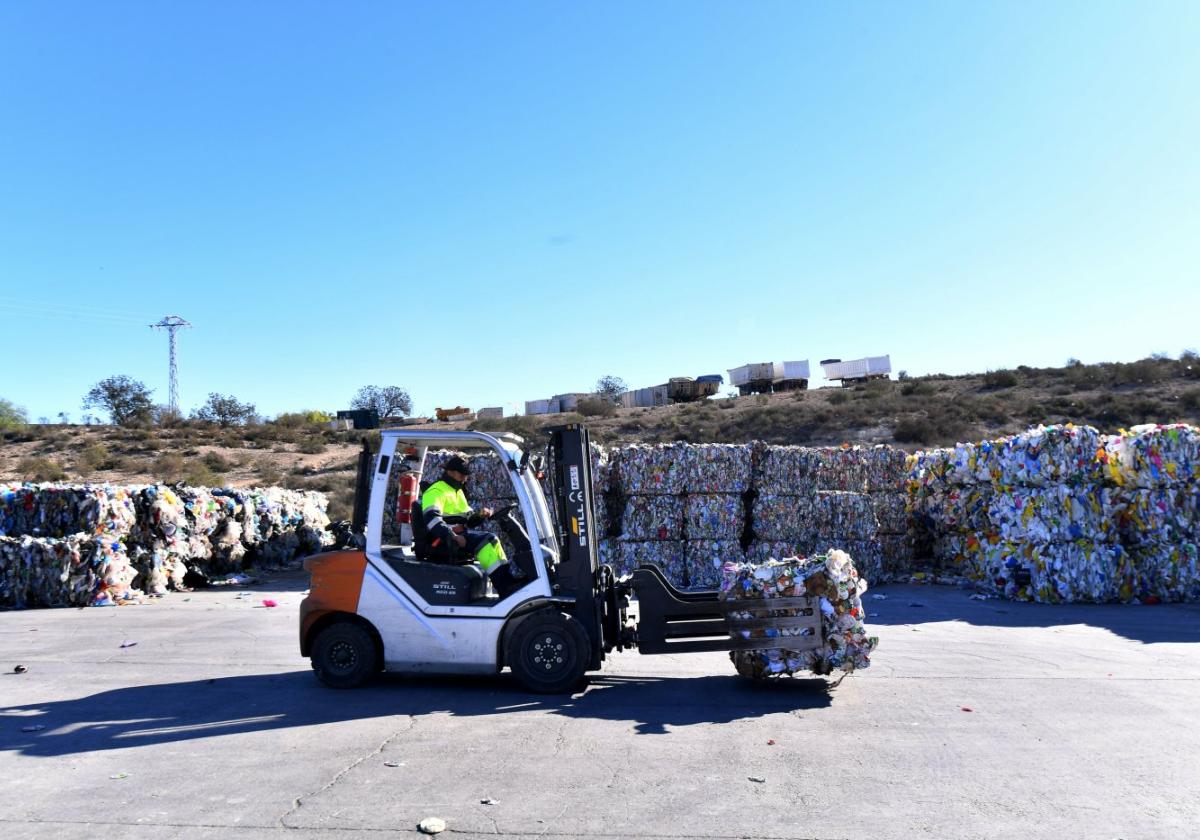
(832, 579)
(714, 516)
(652, 518)
(1153, 456)
(144, 538)
(667, 555)
(706, 558)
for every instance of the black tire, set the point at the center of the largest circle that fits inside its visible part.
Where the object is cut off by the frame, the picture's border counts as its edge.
(344, 655)
(548, 652)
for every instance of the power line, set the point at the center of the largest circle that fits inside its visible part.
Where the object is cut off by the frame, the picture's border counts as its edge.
(171, 323)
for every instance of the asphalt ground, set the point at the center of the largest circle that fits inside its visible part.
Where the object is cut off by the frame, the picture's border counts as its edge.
(976, 719)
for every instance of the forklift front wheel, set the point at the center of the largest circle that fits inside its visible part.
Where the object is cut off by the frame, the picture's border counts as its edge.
(344, 655)
(548, 652)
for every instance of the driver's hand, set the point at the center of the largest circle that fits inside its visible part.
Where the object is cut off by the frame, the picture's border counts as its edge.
(458, 529)
(461, 540)
(486, 513)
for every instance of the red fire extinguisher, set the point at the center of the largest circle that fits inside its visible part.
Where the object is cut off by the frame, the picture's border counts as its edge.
(409, 487)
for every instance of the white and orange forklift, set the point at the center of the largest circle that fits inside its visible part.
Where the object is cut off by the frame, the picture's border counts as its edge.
(388, 603)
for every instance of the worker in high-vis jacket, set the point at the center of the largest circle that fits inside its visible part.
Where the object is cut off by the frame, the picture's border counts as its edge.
(449, 517)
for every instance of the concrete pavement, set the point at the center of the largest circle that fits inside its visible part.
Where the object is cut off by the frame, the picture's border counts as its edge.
(211, 725)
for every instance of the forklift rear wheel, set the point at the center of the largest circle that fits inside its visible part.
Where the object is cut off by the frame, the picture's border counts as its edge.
(344, 655)
(548, 652)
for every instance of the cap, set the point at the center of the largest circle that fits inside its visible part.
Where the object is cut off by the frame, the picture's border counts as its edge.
(458, 465)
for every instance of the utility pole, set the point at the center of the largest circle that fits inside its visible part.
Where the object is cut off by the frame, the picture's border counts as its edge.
(171, 323)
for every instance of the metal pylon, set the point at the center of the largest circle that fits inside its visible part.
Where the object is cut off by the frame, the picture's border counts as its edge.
(171, 323)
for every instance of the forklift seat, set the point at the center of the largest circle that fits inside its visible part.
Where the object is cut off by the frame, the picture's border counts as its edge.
(421, 546)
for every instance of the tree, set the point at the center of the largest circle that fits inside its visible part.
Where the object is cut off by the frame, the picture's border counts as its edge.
(226, 411)
(126, 400)
(387, 401)
(12, 415)
(611, 388)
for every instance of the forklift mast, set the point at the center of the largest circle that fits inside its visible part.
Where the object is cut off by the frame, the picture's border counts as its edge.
(576, 578)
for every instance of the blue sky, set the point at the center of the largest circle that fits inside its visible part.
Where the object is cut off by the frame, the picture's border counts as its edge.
(493, 202)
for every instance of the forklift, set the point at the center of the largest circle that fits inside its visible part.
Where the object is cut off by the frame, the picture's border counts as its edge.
(391, 602)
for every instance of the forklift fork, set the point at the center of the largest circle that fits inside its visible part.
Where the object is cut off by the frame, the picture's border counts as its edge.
(672, 621)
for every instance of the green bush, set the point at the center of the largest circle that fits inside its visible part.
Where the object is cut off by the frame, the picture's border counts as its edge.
(996, 379)
(838, 398)
(95, 457)
(596, 408)
(216, 462)
(41, 469)
(917, 388)
(311, 446)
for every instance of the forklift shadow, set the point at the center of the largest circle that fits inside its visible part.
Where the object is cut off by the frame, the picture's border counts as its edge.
(145, 715)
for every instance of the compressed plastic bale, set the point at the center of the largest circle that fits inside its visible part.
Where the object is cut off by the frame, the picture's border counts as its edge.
(714, 516)
(833, 580)
(760, 551)
(666, 555)
(1160, 515)
(1058, 513)
(489, 478)
(891, 513)
(1151, 455)
(783, 518)
(860, 469)
(650, 469)
(1162, 571)
(706, 558)
(717, 468)
(953, 508)
(114, 571)
(847, 515)
(886, 557)
(1040, 456)
(60, 510)
(1073, 572)
(786, 470)
(652, 518)
(47, 571)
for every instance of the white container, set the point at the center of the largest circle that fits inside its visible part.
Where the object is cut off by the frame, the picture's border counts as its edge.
(868, 366)
(537, 406)
(796, 370)
(756, 372)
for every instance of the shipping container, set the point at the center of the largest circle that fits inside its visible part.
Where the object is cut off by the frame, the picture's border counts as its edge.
(796, 370)
(756, 372)
(537, 406)
(495, 412)
(868, 367)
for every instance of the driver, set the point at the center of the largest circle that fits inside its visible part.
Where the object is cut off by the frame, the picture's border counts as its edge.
(448, 518)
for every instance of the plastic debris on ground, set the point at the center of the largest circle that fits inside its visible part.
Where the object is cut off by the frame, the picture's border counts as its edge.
(833, 580)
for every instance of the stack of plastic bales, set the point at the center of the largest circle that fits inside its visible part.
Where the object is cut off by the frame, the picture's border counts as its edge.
(1155, 473)
(679, 507)
(832, 579)
(103, 544)
(716, 480)
(783, 506)
(78, 570)
(849, 498)
(649, 482)
(1027, 514)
